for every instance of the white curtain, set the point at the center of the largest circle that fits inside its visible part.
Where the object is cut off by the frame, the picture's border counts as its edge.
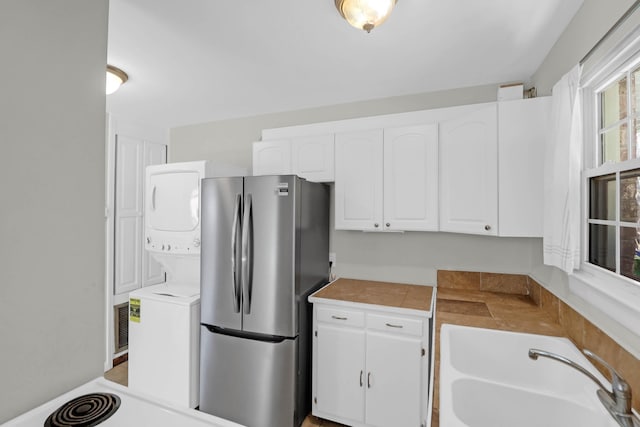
(563, 164)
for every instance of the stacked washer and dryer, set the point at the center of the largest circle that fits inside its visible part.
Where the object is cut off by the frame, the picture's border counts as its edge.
(164, 340)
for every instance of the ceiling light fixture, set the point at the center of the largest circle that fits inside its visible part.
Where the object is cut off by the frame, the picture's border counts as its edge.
(115, 78)
(365, 14)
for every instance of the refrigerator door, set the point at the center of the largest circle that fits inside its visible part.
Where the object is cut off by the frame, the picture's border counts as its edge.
(248, 381)
(220, 291)
(270, 240)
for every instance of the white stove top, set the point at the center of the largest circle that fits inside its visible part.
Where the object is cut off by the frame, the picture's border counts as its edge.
(135, 410)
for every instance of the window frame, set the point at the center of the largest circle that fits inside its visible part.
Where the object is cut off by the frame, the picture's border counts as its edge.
(614, 294)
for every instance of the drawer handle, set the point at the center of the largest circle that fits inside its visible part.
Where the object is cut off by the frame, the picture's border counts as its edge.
(361, 372)
(338, 318)
(369, 380)
(391, 325)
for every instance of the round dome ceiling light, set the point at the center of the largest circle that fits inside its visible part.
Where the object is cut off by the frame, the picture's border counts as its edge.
(115, 78)
(365, 14)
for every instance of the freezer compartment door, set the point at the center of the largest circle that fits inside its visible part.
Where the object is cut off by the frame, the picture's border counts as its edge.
(220, 287)
(270, 244)
(248, 381)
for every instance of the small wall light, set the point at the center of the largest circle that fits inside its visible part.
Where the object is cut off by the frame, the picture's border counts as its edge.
(115, 78)
(365, 14)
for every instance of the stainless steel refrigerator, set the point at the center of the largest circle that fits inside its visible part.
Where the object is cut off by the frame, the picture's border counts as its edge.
(265, 245)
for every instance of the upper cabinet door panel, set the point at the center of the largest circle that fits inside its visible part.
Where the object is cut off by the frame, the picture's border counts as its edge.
(358, 188)
(272, 157)
(312, 157)
(359, 180)
(469, 173)
(411, 178)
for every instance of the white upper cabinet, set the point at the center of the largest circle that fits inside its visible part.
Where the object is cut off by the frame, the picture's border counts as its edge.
(523, 127)
(272, 157)
(469, 172)
(474, 169)
(359, 180)
(411, 178)
(387, 180)
(312, 157)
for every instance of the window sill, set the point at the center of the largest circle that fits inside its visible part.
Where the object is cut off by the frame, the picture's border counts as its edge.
(617, 297)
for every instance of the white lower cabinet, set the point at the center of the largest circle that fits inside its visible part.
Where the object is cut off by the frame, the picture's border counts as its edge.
(340, 361)
(370, 367)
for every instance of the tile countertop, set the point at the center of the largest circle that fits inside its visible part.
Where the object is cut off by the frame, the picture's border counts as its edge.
(394, 296)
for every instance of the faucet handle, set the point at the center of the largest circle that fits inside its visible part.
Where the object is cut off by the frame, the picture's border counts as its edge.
(621, 389)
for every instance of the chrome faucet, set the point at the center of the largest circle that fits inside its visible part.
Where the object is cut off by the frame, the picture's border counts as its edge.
(617, 401)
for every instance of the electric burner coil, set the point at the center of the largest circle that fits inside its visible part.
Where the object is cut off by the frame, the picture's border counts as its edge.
(84, 411)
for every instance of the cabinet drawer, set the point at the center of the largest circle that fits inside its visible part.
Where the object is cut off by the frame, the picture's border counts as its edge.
(393, 324)
(340, 316)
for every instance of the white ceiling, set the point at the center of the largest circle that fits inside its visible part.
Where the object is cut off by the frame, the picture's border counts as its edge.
(194, 61)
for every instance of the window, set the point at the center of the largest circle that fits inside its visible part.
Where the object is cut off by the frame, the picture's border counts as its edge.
(613, 185)
(609, 275)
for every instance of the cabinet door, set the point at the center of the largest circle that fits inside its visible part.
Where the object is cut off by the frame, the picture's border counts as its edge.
(312, 157)
(469, 173)
(394, 380)
(358, 188)
(339, 372)
(272, 157)
(152, 271)
(128, 215)
(522, 132)
(411, 178)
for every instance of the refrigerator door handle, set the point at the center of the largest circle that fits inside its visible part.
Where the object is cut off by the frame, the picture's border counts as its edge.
(247, 249)
(234, 250)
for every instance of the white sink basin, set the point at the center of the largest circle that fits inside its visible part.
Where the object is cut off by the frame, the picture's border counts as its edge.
(485, 404)
(488, 380)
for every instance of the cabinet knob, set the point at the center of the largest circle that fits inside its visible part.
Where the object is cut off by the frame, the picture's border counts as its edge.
(376, 225)
(388, 224)
(487, 227)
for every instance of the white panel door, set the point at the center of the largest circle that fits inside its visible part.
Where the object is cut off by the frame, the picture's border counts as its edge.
(411, 178)
(272, 157)
(339, 384)
(394, 380)
(359, 186)
(522, 131)
(312, 157)
(468, 148)
(152, 271)
(128, 215)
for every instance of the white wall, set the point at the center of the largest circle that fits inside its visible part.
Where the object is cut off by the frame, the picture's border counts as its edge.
(52, 113)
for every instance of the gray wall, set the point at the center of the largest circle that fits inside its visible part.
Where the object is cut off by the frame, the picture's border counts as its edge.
(592, 21)
(412, 257)
(52, 112)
